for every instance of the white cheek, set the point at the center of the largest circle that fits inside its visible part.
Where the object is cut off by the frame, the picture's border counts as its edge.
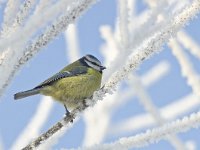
(92, 65)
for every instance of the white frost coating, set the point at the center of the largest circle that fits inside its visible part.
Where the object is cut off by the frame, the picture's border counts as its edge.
(149, 29)
(154, 135)
(123, 23)
(42, 5)
(35, 22)
(169, 112)
(53, 140)
(187, 69)
(151, 24)
(110, 49)
(122, 39)
(105, 109)
(131, 9)
(23, 12)
(72, 42)
(10, 11)
(33, 129)
(146, 101)
(155, 73)
(152, 45)
(3, 56)
(97, 120)
(189, 43)
(42, 40)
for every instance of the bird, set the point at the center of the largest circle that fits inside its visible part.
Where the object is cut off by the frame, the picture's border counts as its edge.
(72, 84)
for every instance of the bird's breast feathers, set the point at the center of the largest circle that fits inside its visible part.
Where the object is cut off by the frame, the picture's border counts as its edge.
(70, 90)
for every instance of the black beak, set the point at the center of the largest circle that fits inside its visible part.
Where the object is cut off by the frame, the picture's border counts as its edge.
(102, 67)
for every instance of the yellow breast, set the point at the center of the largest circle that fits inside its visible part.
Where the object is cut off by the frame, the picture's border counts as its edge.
(72, 90)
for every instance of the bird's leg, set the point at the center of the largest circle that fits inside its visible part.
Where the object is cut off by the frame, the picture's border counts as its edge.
(67, 112)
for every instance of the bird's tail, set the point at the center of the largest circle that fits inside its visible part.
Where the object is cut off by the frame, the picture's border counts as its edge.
(26, 93)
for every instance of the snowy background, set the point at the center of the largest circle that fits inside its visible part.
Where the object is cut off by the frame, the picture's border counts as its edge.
(163, 88)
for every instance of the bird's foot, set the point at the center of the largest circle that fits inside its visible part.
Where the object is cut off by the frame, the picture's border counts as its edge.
(67, 114)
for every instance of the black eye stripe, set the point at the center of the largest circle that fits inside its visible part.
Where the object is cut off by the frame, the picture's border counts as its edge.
(94, 63)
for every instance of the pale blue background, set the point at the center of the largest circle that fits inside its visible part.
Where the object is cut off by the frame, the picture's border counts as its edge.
(14, 115)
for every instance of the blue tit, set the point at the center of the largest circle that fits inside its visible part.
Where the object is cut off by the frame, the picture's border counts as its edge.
(72, 84)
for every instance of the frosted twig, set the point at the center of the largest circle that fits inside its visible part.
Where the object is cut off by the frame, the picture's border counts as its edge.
(96, 129)
(61, 125)
(35, 22)
(10, 11)
(24, 11)
(32, 130)
(110, 49)
(154, 135)
(146, 101)
(122, 40)
(169, 112)
(151, 25)
(123, 23)
(149, 48)
(72, 43)
(189, 43)
(131, 9)
(43, 4)
(50, 33)
(2, 56)
(187, 70)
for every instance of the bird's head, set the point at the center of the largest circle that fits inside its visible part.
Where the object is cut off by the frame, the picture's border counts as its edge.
(92, 62)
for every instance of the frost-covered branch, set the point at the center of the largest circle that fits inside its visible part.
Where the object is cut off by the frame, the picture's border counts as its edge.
(72, 43)
(32, 130)
(58, 127)
(186, 67)
(169, 112)
(24, 10)
(146, 101)
(189, 43)
(153, 135)
(123, 23)
(42, 5)
(12, 7)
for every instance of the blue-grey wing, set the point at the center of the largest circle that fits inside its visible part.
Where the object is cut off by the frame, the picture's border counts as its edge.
(74, 72)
